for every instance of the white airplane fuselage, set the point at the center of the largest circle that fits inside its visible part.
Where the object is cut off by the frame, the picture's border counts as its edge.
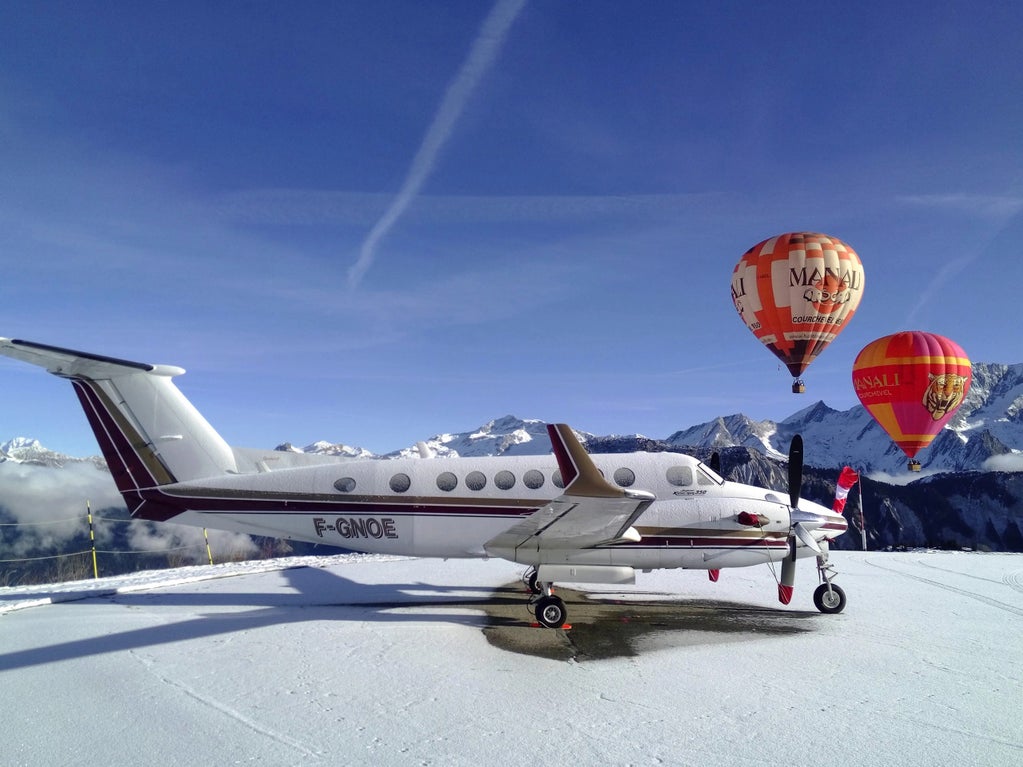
(569, 516)
(450, 507)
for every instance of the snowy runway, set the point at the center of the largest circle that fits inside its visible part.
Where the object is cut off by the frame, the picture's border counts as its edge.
(363, 660)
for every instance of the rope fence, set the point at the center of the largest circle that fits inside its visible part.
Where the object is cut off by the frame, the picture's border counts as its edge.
(88, 519)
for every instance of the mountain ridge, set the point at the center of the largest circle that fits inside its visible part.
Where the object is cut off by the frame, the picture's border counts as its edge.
(988, 425)
(986, 433)
(970, 493)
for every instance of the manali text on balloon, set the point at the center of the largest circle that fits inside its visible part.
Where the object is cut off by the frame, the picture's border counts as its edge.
(796, 292)
(912, 383)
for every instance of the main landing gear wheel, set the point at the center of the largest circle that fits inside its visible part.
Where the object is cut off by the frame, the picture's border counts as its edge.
(550, 612)
(829, 598)
(533, 584)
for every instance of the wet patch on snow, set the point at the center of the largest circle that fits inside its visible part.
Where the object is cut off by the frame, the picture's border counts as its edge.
(605, 626)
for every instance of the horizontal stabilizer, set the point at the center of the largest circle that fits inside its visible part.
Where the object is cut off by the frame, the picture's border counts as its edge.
(69, 363)
(149, 432)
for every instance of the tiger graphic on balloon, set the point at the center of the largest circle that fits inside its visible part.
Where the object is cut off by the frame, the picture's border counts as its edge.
(944, 394)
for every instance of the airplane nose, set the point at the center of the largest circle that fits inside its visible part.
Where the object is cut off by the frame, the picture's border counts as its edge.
(816, 517)
(827, 521)
(837, 524)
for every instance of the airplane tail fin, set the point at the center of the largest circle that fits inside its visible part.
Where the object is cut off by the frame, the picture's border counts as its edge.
(149, 433)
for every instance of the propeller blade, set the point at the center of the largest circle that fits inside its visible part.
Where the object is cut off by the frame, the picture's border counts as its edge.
(795, 470)
(788, 578)
(715, 462)
(808, 540)
(788, 565)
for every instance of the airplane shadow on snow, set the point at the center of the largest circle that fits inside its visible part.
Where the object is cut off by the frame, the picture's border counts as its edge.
(602, 627)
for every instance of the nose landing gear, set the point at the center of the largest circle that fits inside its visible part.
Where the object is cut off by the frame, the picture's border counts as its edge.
(828, 597)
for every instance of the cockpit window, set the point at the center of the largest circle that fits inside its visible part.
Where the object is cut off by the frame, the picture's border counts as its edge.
(707, 476)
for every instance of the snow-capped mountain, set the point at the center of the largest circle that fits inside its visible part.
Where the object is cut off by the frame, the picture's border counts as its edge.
(323, 447)
(25, 450)
(503, 436)
(974, 503)
(989, 423)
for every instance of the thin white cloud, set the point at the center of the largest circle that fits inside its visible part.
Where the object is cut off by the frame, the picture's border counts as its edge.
(48, 509)
(944, 275)
(481, 56)
(301, 207)
(902, 479)
(1010, 462)
(994, 206)
(1000, 210)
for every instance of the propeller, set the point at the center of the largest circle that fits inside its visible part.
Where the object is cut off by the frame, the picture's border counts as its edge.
(715, 462)
(795, 470)
(797, 529)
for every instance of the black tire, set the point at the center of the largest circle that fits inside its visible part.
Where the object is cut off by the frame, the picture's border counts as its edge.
(551, 612)
(533, 584)
(829, 601)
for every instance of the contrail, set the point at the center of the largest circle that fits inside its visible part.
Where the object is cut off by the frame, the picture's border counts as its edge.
(481, 56)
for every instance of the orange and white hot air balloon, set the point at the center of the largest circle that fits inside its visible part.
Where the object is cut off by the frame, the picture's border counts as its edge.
(912, 383)
(796, 292)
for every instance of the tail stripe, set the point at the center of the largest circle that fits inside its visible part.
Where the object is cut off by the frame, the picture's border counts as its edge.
(132, 461)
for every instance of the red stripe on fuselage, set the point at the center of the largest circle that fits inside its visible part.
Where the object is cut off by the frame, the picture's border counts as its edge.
(724, 541)
(174, 498)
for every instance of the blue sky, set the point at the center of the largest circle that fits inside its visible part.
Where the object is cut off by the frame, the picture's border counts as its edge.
(370, 222)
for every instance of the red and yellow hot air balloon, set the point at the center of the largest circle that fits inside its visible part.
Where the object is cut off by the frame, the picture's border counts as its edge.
(912, 383)
(796, 292)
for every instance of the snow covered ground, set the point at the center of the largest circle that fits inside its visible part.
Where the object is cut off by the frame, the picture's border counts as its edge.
(369, 660)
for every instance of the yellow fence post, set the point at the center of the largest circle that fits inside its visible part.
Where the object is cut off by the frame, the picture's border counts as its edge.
(92, 541)
(208, 552)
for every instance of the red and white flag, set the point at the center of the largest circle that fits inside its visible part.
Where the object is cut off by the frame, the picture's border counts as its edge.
(846, 480)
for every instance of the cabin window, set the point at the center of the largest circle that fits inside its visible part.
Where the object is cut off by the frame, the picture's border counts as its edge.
(533, 479)
(504, 479)
(345, 485)
(624, 477)
(475, 480)
(557, 480)
(680, 476)
(447, 481)
(400, 483)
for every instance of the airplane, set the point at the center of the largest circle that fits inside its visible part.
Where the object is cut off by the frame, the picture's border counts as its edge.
(571, 517)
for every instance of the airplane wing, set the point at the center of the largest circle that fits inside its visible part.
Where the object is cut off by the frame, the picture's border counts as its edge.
(589, 513)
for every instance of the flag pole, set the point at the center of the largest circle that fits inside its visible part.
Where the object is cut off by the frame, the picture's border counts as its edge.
(863, 524)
